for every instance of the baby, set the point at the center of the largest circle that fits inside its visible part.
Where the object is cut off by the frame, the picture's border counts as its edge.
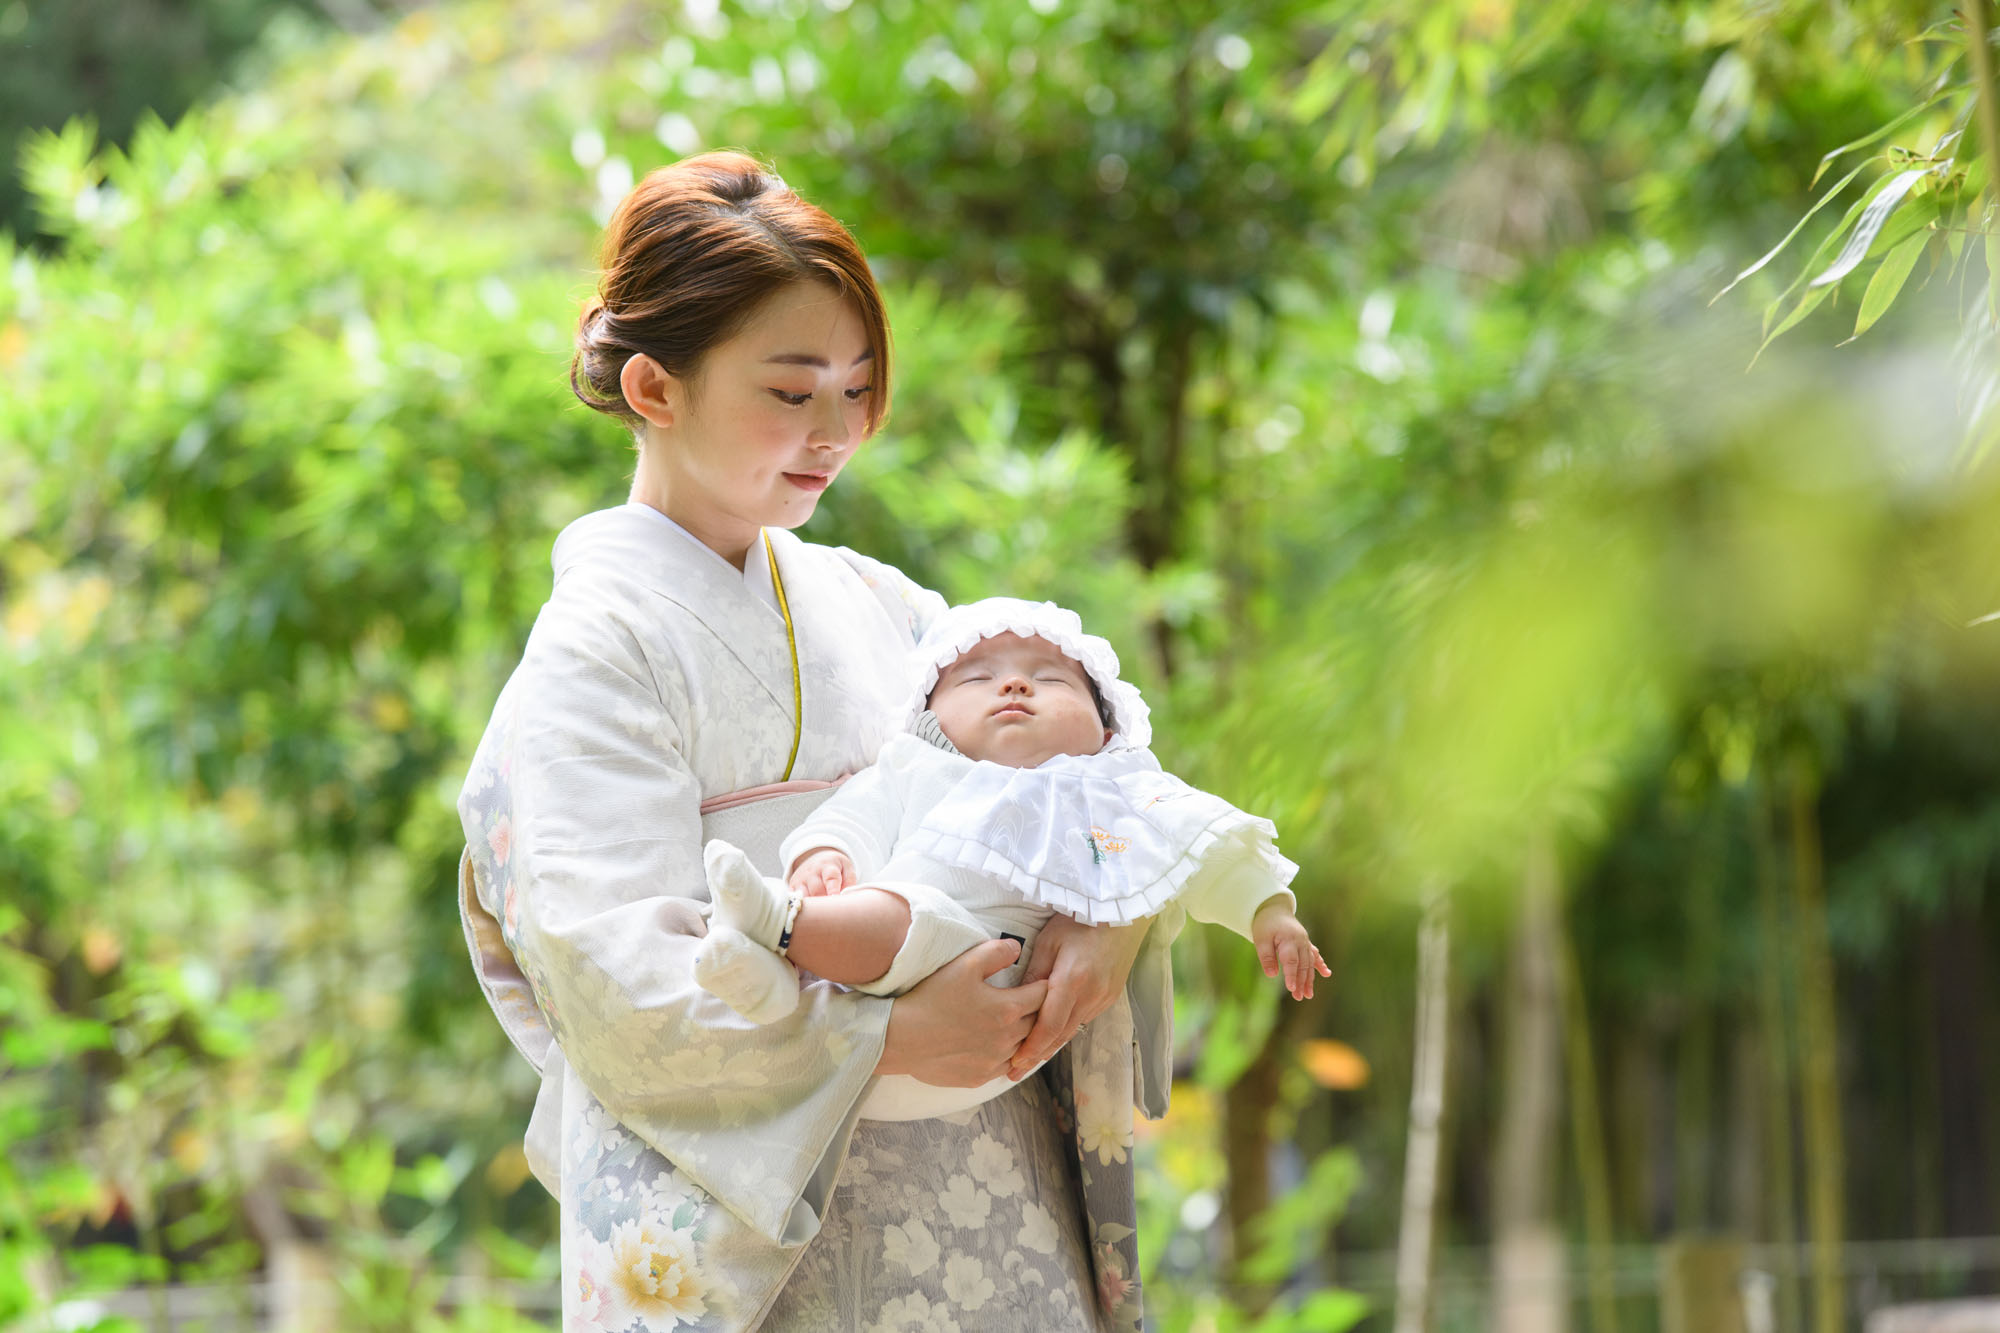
(1023, 788)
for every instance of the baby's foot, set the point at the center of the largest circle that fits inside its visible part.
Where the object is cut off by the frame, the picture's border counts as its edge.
(744, 900)
(738, 962)
(746, 976)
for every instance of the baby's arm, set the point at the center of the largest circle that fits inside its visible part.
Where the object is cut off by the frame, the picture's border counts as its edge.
(1242, 872)
(858, 823)
(1282, 944)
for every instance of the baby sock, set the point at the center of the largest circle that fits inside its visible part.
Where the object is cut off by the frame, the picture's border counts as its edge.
(737, 962)
(744, 900)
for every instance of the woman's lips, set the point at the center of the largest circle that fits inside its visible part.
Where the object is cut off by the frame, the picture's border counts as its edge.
(810, 481)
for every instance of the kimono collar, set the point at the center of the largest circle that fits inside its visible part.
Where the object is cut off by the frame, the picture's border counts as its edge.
(756, 572)
(646, 547)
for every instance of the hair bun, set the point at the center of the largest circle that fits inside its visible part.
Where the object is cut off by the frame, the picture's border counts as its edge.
(595, 369)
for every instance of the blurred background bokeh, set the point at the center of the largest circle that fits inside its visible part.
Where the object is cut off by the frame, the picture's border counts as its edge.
(1356, 366)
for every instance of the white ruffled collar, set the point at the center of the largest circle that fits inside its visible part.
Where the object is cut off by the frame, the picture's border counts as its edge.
(1105, 837)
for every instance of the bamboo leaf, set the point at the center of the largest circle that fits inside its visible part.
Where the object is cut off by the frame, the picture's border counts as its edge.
(1773, 253)
(1877, 135)
(1906, 223)
(1889, 278)
(1869, 225)
(1805, 307)
(1822, 252)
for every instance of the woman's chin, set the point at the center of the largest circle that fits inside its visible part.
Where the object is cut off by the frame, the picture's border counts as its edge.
(793, 512)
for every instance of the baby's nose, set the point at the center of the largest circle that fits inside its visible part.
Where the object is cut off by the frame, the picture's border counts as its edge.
(1016, 685)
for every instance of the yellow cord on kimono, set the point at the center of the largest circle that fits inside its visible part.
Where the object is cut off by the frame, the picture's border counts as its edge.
(792, 641)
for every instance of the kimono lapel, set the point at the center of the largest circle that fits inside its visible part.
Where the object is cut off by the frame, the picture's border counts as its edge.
(852, 666)
(693, 578)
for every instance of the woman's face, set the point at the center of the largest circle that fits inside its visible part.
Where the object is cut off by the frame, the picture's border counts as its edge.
(767, 421)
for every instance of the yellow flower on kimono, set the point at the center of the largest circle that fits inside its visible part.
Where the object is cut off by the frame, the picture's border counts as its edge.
(647, 1272)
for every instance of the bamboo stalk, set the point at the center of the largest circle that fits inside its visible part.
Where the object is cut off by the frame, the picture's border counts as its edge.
(1694, 1082)
(1981, 51)
(1415, 1243)
(1593, 1170)
(1772, 984)
(1529, 1285)
(1820, 1084)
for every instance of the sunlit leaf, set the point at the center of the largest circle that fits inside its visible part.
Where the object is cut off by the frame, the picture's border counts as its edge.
(1870, 223)
(1889, 278)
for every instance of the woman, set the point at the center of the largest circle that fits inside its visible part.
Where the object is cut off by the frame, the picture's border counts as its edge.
(711, 1174)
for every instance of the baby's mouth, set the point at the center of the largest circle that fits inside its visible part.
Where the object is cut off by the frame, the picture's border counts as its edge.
(1013, 710)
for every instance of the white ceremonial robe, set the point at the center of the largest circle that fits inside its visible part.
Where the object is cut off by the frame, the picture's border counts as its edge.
(907, 817)
(695, 1155)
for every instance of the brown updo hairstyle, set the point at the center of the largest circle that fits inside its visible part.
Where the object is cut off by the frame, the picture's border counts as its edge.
(690, 255)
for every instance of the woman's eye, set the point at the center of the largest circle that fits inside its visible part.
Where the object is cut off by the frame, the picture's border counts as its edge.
(792, 399)
(856, 395)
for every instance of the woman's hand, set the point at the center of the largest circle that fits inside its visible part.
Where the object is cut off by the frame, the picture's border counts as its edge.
(955, 1031)
(1085, 967)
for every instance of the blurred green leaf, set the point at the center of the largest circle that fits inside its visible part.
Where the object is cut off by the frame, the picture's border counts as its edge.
(1889, 278)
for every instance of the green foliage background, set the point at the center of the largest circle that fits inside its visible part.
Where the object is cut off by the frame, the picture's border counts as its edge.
(1348, 363)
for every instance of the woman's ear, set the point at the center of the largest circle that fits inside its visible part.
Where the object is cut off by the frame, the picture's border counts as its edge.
(650, 391)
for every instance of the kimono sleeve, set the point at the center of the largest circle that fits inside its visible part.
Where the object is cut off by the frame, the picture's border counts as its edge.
(604, 909)
(1239, 878)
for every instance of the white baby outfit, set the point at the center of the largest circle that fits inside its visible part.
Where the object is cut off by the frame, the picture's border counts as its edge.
(980, 849)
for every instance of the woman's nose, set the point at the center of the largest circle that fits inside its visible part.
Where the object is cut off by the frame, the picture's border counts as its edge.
(833, 430)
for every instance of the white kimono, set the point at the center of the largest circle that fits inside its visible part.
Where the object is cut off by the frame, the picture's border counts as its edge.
(694, 1154)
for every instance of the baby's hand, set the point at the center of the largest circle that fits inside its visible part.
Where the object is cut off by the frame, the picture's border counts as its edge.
(1282, 943)
(820, 872)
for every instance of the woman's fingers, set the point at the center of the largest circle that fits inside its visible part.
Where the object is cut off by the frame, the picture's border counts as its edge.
(1052, 1028)
(1042, 959)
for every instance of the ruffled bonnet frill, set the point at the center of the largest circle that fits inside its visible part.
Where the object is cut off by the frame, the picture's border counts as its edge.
(1107, 837)
(954, 633)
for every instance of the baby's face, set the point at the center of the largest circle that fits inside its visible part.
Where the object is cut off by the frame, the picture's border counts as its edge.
(1017, 701)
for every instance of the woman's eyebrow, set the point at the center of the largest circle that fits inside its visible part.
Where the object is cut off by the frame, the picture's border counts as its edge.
(809, 359)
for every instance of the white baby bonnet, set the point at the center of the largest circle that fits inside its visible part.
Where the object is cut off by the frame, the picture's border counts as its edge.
(958, 629)
(1105, 837)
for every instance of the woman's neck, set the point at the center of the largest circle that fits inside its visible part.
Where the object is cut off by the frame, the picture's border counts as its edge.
(730, 540)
